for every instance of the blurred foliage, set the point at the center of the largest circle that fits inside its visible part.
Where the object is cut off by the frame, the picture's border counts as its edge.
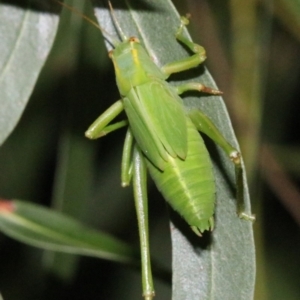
(253, 53)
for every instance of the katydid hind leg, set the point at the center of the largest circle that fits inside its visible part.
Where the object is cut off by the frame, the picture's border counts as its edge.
(205, 125)
(141, 204)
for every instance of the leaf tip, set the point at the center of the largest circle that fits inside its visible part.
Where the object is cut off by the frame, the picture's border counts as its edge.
(6, 206)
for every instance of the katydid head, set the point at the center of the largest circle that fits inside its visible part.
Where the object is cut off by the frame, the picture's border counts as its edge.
(124, 47)
(125, 44)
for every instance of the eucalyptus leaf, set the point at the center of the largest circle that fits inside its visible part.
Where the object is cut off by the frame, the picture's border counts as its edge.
(221, 265)
(26, 39)
(47, 229)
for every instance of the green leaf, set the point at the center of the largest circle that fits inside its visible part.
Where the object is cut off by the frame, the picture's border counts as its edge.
(47, 229)
(287, 11)
(24, 48)
(222, 266)
(71, 193)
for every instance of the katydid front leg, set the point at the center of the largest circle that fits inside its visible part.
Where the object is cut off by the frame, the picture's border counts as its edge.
(188, 62)
(99, 127)
(205, 125)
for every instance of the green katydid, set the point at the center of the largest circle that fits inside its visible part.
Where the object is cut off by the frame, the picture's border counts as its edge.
(163, 138)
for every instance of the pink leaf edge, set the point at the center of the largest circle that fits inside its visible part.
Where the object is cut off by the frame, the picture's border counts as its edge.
(6, 206)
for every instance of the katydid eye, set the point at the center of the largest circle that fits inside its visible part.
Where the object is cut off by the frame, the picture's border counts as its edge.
(134, 39)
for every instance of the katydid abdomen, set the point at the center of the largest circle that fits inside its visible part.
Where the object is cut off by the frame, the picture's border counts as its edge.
(188, 185)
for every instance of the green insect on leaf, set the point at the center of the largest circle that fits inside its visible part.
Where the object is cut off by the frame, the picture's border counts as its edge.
(162, 134)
